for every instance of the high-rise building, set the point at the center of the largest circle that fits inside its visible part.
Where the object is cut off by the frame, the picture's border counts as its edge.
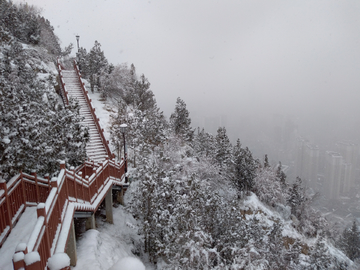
(333, 174)
(307, 163)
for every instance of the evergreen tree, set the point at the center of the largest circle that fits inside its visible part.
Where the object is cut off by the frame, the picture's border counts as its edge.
(244, 167)
(266, 162)
(319, 256)
(267, 186)
(204, 144)
(97, 65)
(180, 121)
(281, 175)
(350, 242)
(222, 149)
(296, 198)
(36, 131)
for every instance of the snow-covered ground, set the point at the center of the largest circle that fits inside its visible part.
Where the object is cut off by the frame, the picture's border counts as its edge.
(102, 110)
(20, 234)
(102, 248)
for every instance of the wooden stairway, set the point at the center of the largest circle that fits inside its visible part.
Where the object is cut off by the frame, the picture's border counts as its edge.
(95, 149)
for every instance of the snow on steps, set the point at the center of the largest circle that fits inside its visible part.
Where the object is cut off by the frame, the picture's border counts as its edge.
(95, 149)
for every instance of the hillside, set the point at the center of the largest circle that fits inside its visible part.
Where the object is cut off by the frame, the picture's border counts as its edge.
(195, 201)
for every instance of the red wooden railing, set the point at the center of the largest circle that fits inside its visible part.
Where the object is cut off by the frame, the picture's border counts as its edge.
(21, 191)
(71, 190)
(63, 91)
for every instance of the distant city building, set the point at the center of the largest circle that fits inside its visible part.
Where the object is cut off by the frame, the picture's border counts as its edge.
(307, 163)
(333, 174)
(350, 153)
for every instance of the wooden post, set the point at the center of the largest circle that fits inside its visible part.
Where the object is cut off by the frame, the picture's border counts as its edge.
(73, 172)
(9, 215)
(90, 222)
(71, 245)
(59, 260)
(108, 207)
(120, 196)
(41, 212)
(32, 261)
(23, 187)
(36, 187)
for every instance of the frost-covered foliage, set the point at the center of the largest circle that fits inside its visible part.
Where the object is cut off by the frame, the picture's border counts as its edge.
(244, 168)
(177, 209)
(146, 129)
(180, 121)
(36, 131)
(19, 21)
(267, 187)
(204, 144)
(349, 241)
(188, 224)
(222, 148)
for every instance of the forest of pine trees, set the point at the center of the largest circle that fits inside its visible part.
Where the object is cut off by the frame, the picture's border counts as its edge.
(36, 130)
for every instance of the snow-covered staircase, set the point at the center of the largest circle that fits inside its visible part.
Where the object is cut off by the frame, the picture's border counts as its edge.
(97, 148)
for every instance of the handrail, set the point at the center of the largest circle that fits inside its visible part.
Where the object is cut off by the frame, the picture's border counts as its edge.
(21, 191)
(92, 110)
(68, 188)
(63, 91)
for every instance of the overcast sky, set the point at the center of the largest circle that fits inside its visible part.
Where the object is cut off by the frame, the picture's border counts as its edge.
(239, 58)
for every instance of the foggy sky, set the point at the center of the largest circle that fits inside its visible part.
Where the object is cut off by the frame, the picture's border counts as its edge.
(252, 61)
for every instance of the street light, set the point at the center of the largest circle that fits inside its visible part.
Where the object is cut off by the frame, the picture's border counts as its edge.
(123, 128)
(77, 40)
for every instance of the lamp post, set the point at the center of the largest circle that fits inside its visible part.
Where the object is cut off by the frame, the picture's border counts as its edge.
(123, 128)
(77, 40)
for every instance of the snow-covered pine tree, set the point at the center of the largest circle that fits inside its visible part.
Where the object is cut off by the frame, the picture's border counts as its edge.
(319, 255)
(222, 149)
(36, 132)
(180, 121)
(350, 242)
(267, 186)
(244, 168)
(97, 64)
(21, 21)
(204, 144)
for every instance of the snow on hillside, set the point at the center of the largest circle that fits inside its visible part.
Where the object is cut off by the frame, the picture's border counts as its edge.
(103, 110)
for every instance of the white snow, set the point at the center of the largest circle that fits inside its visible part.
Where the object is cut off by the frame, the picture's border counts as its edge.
(20, 247)
(101, 249)
(21, 208)
(19, 234)
(35, 233)
(32, 257)
(128, 263)
(50, 199)
(6, 140)
(18, 256)
(102, 111)
(58, 261)
(61, 245)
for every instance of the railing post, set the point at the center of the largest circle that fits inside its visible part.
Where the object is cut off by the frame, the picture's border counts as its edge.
(41, 212)
(32, 261)
(95, 180)
(75, 187)
(23, 187)
(9, 215)
(36, 187)
(54, 184)
(59, 261)
(18, 258)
